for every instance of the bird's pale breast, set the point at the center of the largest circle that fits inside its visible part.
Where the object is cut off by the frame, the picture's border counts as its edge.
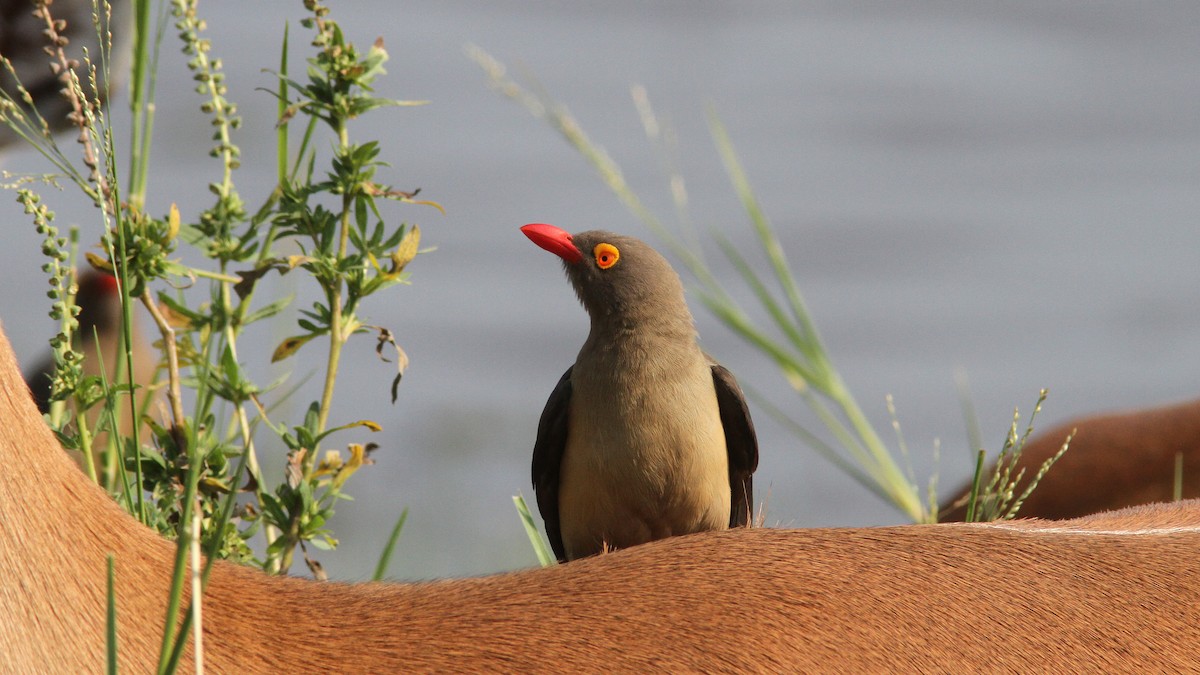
(642, 462)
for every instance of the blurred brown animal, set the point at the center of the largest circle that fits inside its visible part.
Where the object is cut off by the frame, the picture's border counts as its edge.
(1104, 594)
(1115, 460)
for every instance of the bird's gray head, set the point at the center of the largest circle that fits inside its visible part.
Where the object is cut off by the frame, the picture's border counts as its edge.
(617, 278)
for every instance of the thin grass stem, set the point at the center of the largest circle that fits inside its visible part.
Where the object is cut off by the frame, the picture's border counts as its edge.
(973, 502)
(541, 549)
(110, 618)
(1177, 485)
(385, 557)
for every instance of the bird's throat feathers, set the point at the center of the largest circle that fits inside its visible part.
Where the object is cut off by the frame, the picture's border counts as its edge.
(626, 354)
(634, 325)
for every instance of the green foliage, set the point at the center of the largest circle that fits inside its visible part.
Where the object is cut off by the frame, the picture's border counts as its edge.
(997, 498)
(200, 464)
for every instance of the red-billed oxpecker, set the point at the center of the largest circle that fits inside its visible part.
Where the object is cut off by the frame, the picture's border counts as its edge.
(646, 436)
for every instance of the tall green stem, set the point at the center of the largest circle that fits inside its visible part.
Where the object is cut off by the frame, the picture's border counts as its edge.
(138, 96)
(250, 456)
(336, 338)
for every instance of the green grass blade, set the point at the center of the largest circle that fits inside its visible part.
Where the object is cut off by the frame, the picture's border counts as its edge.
(147, 43)
(970, 417)
(751, 278)
(281, 130)
(302, 151)
(385, 558)
(168, 659)
(824, 449)
(540, 547)
(768, 240)
(138, 94)
(225, 514)
(798, 374)
(973, 502)
(110, 621)
(1177, 487)
(850, 443)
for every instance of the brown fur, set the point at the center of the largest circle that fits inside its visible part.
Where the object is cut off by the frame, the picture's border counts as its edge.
(1115, 460)
(1105, 594)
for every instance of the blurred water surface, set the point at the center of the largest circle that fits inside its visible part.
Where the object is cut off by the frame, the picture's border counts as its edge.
(1010, 189)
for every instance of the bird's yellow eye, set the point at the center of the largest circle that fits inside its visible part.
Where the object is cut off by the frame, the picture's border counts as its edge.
(607, 255)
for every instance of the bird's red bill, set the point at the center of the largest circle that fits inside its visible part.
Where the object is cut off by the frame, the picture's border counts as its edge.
(553, 239)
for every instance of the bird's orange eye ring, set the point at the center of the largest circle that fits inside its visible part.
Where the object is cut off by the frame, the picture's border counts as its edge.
(607, 255)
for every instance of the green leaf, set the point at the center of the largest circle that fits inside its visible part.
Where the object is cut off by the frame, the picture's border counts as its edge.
(268, 310)
(290, 346)
(406, 251)
(272, 509)
(210, 484)
(385, 557)
(373, 426)
(540, 547)
(277, 546)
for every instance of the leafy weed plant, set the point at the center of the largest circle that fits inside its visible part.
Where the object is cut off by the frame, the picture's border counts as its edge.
(191, 467)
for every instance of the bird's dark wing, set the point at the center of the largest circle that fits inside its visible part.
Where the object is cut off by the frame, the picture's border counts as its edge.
(547, 456)
(741, 444)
